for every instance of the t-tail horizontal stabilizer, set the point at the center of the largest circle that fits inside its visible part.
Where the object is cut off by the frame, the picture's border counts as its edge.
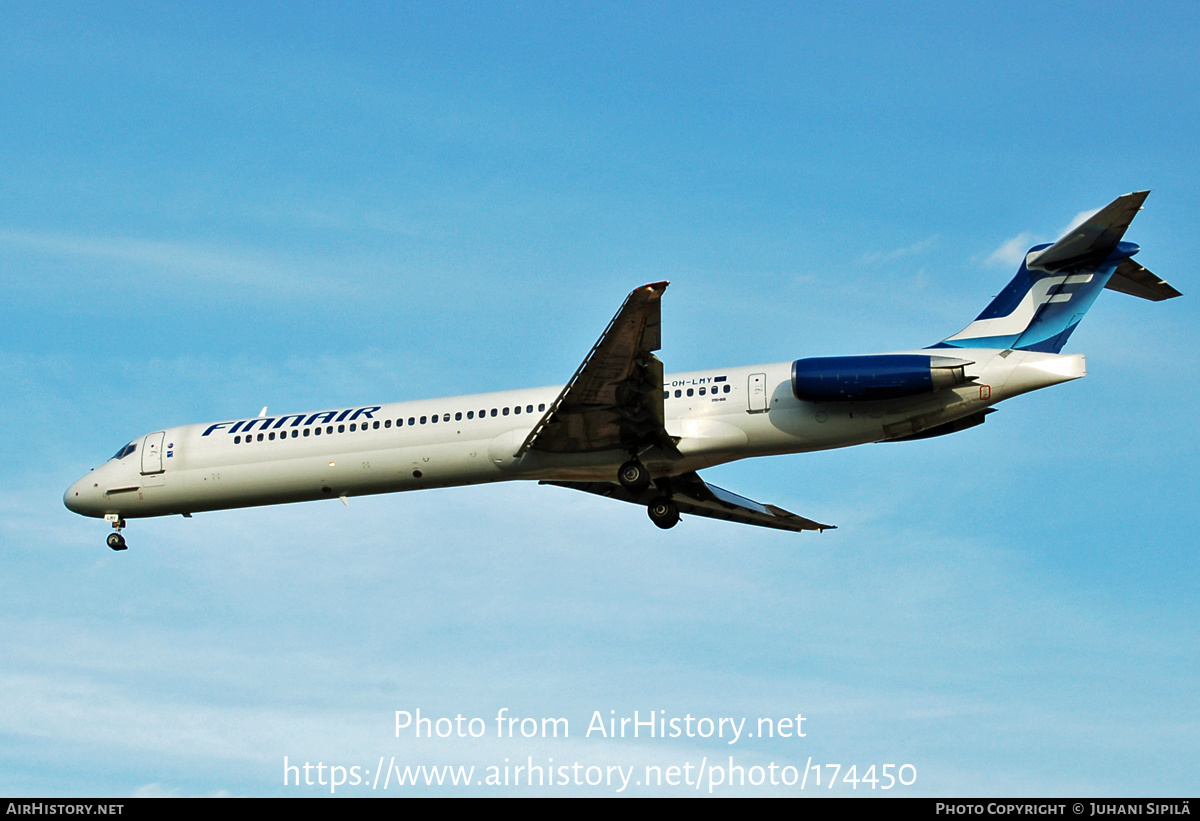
(1131, 278)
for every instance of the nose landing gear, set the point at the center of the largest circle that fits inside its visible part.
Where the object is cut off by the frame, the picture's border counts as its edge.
(115, 540)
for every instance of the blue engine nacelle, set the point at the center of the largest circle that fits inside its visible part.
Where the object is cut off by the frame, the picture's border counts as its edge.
(884, 376)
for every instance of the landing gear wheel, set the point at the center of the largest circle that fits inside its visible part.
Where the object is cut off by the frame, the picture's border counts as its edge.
(116, 541)
(634, 477)
(663, 512)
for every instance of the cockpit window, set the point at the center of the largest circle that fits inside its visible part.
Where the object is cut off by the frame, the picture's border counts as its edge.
(125, 451)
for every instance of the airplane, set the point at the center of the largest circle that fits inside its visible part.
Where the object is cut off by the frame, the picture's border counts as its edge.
(622, 428)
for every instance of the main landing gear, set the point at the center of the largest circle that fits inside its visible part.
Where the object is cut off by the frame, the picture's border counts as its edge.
(115, 540)
(663, 512)
(634, 477)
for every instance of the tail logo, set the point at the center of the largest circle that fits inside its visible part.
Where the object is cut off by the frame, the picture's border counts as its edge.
(1045, 291)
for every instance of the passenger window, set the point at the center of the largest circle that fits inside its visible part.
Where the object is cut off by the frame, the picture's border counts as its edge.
(506, 412)
(458, 416)
(702, 391)
(412, 420)
(493, 411)
(529, 408)
(689, 391)
(541, 407)
(678, 393)
(341, 428)
(517, 409)
(726, 389)
(237, 440)
(470, 414)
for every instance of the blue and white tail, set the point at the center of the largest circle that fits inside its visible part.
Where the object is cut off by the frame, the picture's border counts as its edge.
(1058, 282)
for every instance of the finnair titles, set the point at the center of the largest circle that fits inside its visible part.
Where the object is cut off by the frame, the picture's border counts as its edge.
(621, 428)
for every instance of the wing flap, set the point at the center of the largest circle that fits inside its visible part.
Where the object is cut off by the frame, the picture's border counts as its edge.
(694, 496)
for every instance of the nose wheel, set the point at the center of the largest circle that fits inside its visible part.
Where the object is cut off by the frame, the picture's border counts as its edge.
(115, 540)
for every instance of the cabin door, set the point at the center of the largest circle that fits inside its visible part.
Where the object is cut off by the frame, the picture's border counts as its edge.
(152, 456)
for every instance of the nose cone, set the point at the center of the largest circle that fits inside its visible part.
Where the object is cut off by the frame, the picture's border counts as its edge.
(84, 497)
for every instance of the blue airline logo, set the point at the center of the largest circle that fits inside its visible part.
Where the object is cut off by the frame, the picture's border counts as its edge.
(294, 420)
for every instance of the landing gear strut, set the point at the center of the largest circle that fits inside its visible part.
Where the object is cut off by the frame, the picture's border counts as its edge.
(663, 512)
(115, 540)
(634, 477)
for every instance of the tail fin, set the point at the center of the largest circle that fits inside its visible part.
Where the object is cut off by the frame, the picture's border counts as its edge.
(1057, 284)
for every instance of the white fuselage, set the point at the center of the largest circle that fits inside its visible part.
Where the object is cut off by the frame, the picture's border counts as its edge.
(718, 416)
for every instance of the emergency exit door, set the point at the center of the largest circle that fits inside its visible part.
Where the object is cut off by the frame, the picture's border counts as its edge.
(757, 393)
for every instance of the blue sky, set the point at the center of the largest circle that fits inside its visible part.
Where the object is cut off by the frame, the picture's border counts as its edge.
(206, 210)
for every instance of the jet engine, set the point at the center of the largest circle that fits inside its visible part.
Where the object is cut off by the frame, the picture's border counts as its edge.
(883, 376)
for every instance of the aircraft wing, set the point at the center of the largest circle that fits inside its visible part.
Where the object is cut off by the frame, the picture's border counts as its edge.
(693, 495)
(615, 399)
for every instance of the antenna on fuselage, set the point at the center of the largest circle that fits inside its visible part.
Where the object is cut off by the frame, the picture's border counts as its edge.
(262, 413)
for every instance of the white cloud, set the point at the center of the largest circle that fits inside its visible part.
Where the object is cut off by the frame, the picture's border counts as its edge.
(170, 257)
(156, 791)
(1012, 251)
(899, 253)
